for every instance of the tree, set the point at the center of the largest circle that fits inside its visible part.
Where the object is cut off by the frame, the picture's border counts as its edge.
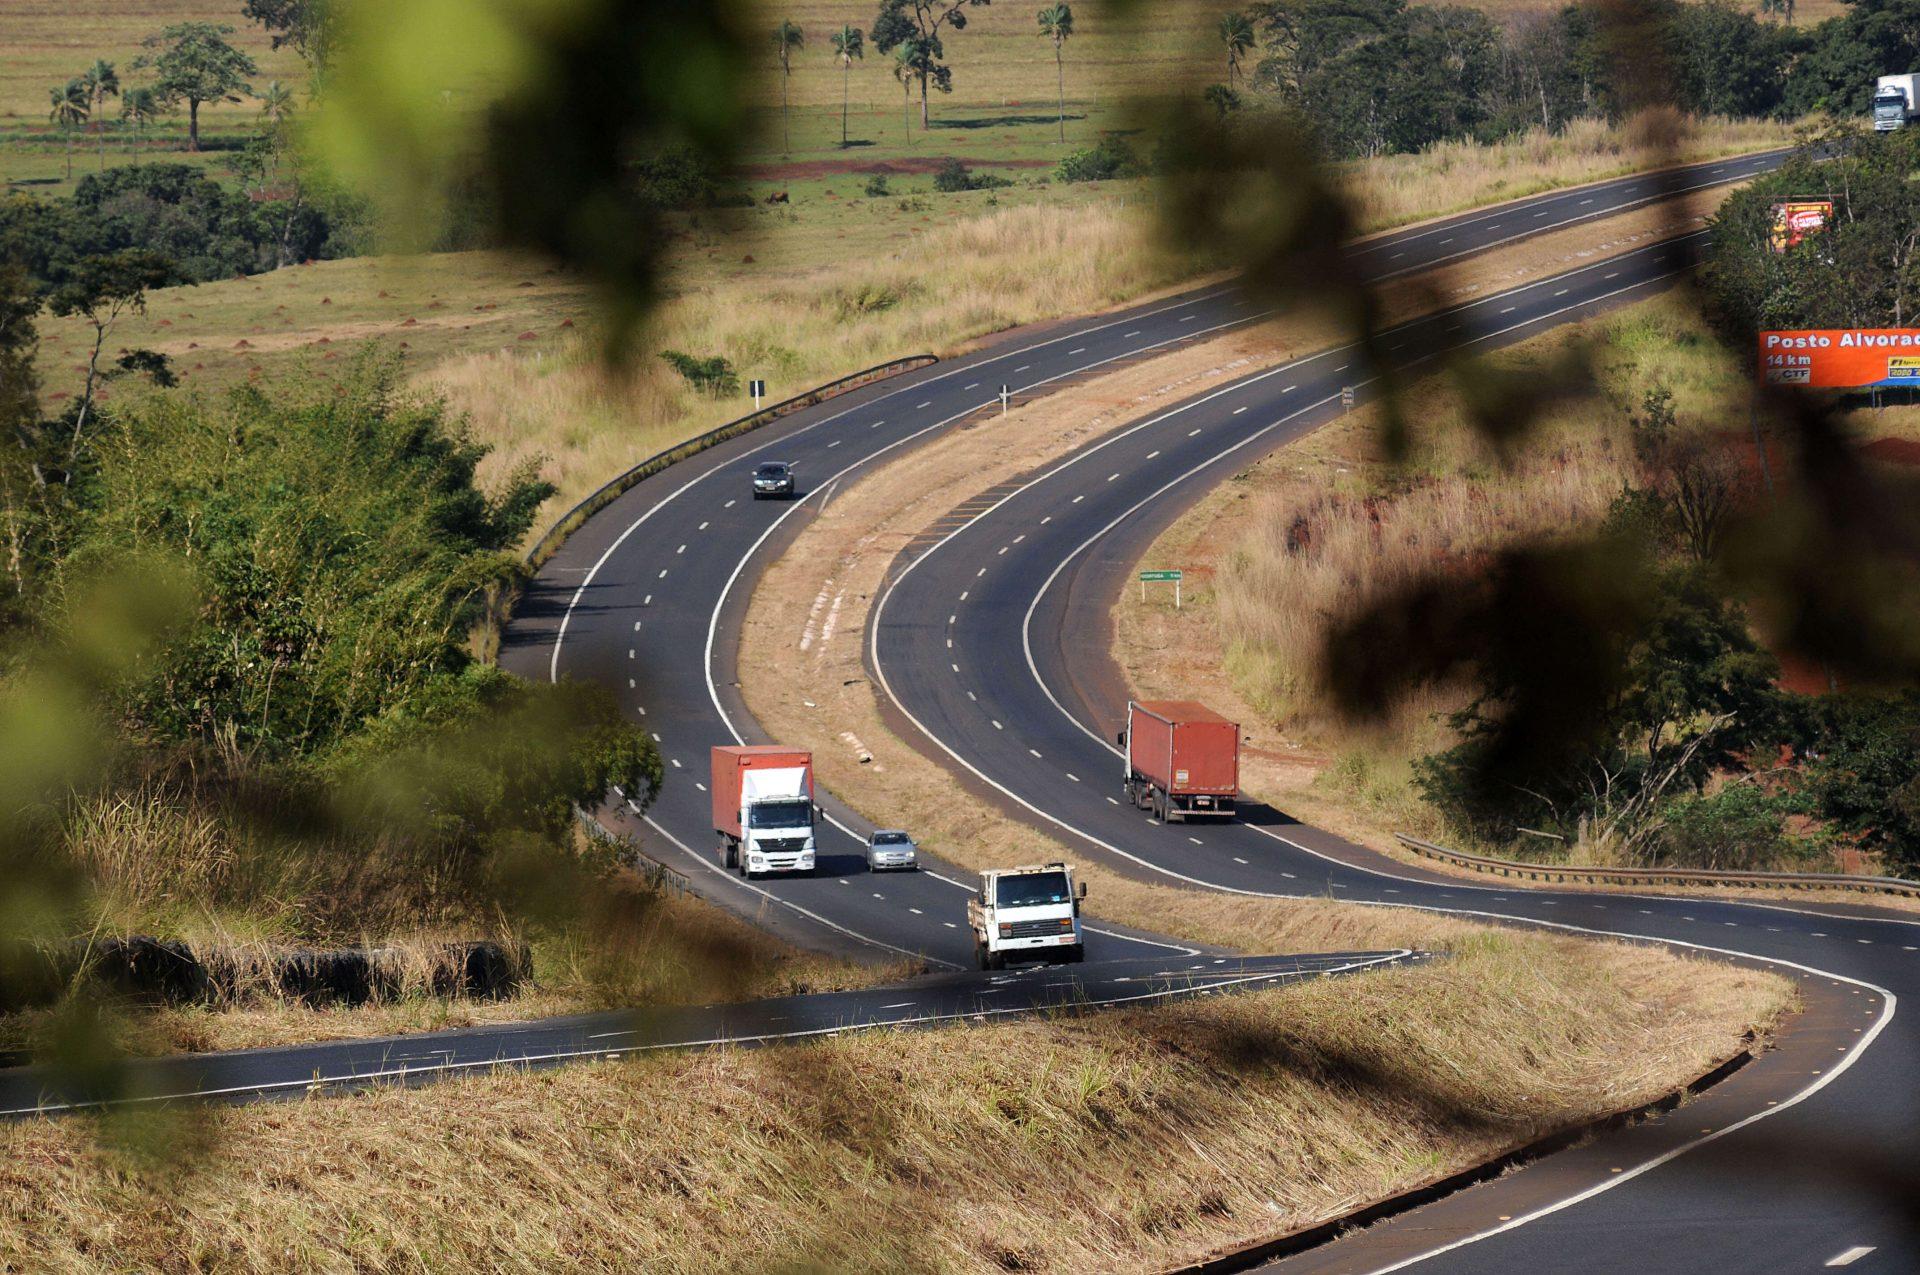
(1223, 100)
(276, 113)
(848, 44)
(786, 38)
(1784, 8)
(138, 107)
(918, 22)
(308, 25)
(1056, 22)
(101, 290)
(906, 60)
(1236, 32)
(69, 111)
(195, 64)
(101, 83)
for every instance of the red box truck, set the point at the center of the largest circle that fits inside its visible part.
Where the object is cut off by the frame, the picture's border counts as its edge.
(1183, 760)
(763, 808)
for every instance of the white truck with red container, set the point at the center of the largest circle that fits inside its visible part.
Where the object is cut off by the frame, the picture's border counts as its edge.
(763, 808)
(1026, 914)
(1183, 760)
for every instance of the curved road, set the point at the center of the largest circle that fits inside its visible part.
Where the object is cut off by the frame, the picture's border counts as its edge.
(1797, 1162)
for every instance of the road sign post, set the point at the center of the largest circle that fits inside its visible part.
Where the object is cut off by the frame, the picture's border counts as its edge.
(1003, 400)
(1346, 398)
(1167, 577)
(759, 389)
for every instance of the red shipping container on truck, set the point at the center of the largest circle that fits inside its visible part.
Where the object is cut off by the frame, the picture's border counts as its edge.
(1183, 759)
(730, 766)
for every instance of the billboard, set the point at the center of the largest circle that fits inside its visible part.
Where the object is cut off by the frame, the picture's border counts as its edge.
(1795, 219)
(1841, 358)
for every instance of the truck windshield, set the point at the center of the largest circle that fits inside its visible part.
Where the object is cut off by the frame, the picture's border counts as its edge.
(780, 814)
(1033, 889)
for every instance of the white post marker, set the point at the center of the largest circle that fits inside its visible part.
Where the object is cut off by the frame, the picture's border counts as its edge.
(1170, 577)
(1003, 400)
(759, 389)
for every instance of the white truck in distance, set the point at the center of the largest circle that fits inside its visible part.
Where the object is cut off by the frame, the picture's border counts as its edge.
(1896, 101)
(1030, 913)
(763, 808)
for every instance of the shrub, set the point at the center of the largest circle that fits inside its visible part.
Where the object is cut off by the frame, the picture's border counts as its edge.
(1110, 159)
(954, 176)
(713, 375)
(866, 298)
(877, 186)
(1740, 828)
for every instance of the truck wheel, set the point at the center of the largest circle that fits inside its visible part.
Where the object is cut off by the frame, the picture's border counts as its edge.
(980, 955)
(1076, 954)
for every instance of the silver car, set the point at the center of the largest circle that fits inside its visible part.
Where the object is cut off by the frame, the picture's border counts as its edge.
(891, 848)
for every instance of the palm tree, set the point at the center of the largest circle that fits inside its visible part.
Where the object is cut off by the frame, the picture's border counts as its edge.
(276, 109)
(786, 38)
(69, 110)
(1236, 32)
(101, 83)
(137, 107)
(906, 60)
(848, 44)
(1056, 20)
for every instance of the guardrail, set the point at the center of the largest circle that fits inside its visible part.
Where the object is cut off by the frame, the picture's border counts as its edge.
(500, 605)
(1563, 873)
(657, 875)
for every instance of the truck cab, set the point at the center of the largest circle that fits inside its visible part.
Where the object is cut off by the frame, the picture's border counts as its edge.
(1027, 914)
(763, 808)
(1896, 101)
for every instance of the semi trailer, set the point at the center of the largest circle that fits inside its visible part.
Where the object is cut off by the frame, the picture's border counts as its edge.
(1182, 760)
(1896, 101)
(763, 808)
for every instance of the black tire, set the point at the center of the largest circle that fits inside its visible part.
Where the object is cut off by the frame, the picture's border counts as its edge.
(1076, 954)
(980, 955)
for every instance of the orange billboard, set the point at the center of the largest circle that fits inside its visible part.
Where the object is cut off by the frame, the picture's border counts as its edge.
(1841, 358)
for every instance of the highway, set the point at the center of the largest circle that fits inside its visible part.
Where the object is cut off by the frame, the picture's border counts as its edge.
(1791, 1165)
(423, 1057)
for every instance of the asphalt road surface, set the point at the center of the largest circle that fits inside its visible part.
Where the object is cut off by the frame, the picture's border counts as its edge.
(968, 996)
(1800, 1161)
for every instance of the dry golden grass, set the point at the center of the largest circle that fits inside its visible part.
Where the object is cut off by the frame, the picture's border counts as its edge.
(1117, 1141)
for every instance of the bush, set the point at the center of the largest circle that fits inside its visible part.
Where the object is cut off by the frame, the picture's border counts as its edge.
(712, 375)
(1110, 159)
(867, 298)
(1740, 828)
(877, 186)
(954, 177)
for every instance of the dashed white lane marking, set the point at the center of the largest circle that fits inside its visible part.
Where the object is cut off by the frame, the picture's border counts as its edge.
(1044, 521)
(1153, 453)
(950, 925)
(952, 619)
(982, 571)
(918, 406)
(1585, 202)
(835, 443)
(1561, 293)
(663, 573)
(1111, 477)
(1236, 412)
(878, 895)
(630, 653)
(1125, 336)
(1447, 240)
(631, 683)
(1003, 549)
(730, 504)
(1396, 256)
(1858, 1251)
(996, 725)
(954, 667)
(647, 601)
(682, 549)
(1036, 753)
(697, 784)
(1194, 432)
(636, 626)
(1078, 499)
(1343, 367)
(968, 386)
(640, 710)
(1023, 367)
(1290, 389)
(916, 911)
(1112, 802)
(1614, 275)
(898, 1005)
(675, 761)
(1190, 318)
(1081, 350)
(1022, 536)
(1510, 309)
(973, 697)
(964, 593)
(703, 526)
(1072, 776)
(1196, 841)
(1238, 859)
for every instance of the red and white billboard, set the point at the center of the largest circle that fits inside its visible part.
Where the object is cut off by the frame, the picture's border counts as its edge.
(1841, 358)
(1795, 219)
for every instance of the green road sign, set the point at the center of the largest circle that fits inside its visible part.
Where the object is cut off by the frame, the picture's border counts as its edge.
(1159, 575)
